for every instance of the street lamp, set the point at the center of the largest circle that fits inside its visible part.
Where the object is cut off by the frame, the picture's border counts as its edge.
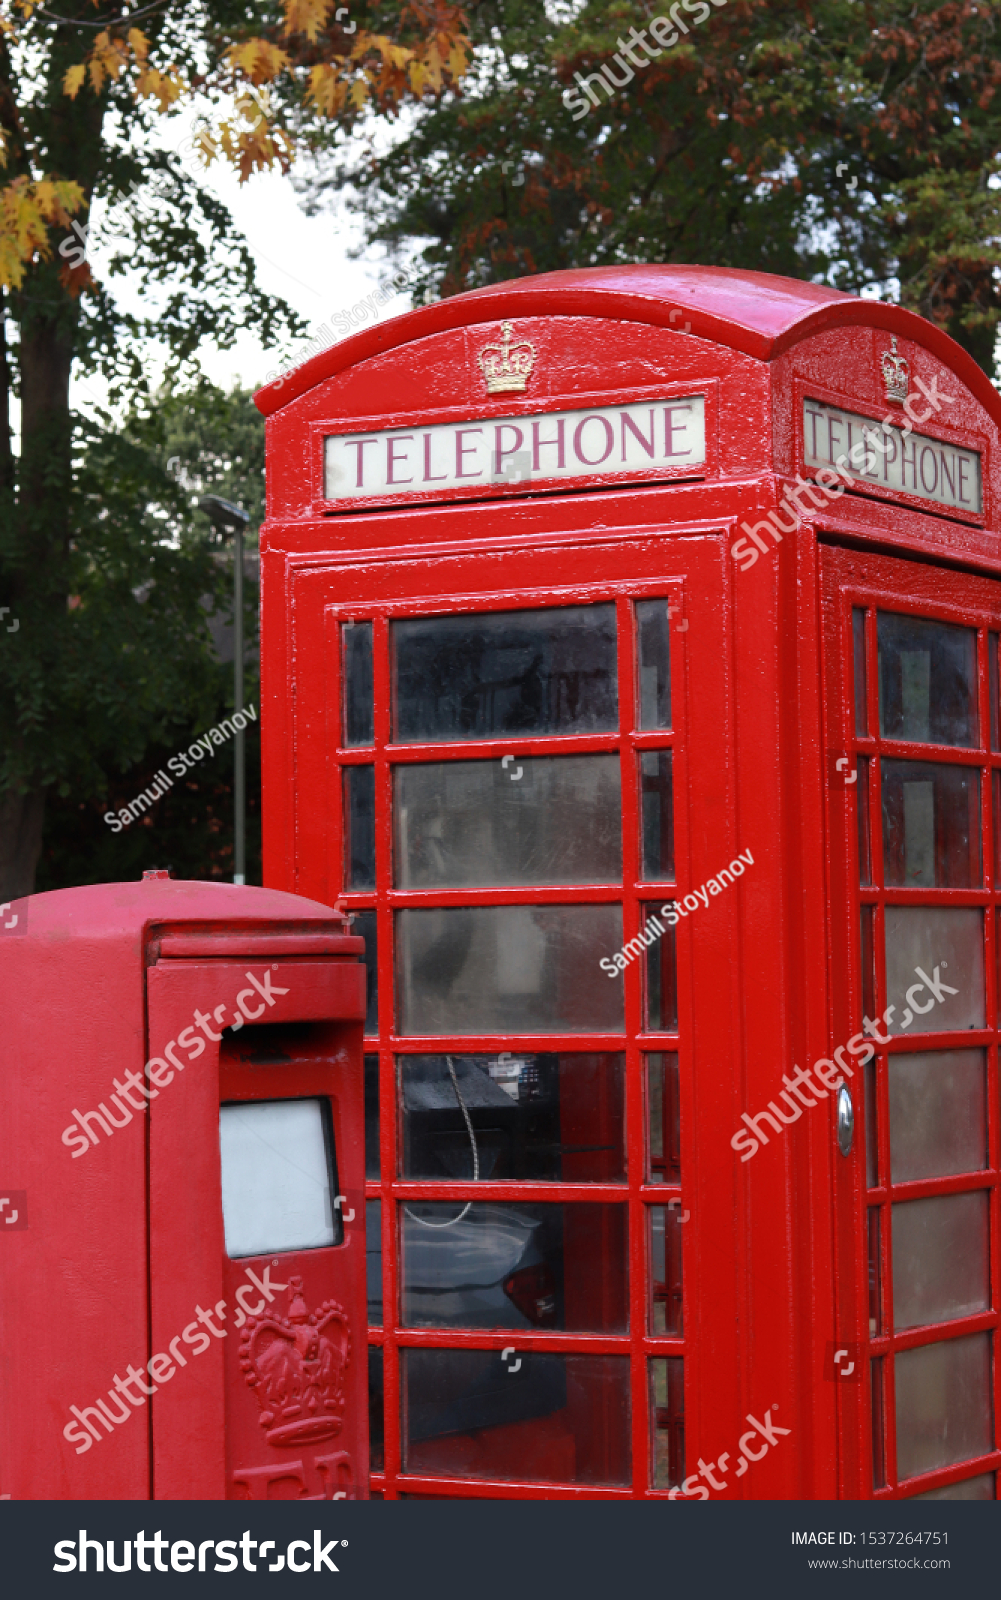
(229, 518)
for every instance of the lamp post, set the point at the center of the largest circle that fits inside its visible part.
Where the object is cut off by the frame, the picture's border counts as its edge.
(229, 518)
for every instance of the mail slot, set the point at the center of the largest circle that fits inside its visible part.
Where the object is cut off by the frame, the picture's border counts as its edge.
(182, 1105)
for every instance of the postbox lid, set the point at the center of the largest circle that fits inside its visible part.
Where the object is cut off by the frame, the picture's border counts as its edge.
(110, 910)
(755, 312)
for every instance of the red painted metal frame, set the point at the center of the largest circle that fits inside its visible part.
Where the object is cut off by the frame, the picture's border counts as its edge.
(190, 1437)
(639, 1346)
(771, 1249)
(876, 584)
(757, 313)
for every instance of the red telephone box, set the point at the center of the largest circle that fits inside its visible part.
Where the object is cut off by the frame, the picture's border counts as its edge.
(182, 1103)
(630, 667)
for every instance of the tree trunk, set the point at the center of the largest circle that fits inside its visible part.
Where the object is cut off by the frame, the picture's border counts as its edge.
(37, 530)
(21, 818)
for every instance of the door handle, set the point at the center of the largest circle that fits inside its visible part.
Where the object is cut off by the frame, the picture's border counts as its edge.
(846, 1121)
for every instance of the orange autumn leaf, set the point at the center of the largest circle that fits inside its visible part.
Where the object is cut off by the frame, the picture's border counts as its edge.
(306, 16)
(26, 211)
(257, 60)
(73, 79)
(327, 91)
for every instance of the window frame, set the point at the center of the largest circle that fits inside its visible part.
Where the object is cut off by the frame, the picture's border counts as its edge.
(877, 584)
(639, 1345)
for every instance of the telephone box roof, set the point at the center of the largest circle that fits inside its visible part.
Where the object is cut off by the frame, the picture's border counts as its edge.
(755, 312)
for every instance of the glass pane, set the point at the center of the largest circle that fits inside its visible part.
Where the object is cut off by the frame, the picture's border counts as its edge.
(938, 1114)
(554, 1419)
(509, 969)
(996, 781)
(931, 951)
(363, 926)
(858, 643)
(358, 702)
(657, 805)
(992, 657)
(665, 1308)
(372, 1161)
(277, 1167)
(557, 819)
(376, 1451)
(871, 1126)
(875, 1272)
(939, 1258)
(927, 680)
(373, 1260)
(488, 1265)
(359, 827)
(931, 825)
(667, 1414)
(944, 1411)
(653, 651)
(511, 672)
(979, 1488)
(661, 974)
(878, 1424)
(663, 1117)
(543, 1118)
(862, 817)
(869, 959)
(867, 917)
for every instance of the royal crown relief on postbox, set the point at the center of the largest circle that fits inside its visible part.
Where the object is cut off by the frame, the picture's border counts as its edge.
(890, 454)
(649, 437)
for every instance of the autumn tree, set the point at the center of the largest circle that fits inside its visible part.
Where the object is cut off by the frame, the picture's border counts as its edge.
(111, 644)
(847, 142)
(173, 447)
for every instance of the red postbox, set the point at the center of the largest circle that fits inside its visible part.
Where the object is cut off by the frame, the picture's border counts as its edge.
(181, 1109)
(631, 667)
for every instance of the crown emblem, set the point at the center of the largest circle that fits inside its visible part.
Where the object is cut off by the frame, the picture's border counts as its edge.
(297, 1364)
(507, 366)
(896, 373)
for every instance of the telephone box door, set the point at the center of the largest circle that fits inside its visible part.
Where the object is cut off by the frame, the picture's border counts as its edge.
(914, 781)
(257, 1245)
(502, 798)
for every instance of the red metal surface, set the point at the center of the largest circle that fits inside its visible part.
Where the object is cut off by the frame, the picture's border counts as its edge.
(208, 1441)
(754, 312)
(763, 977)
(82, 1285)
(870, 583)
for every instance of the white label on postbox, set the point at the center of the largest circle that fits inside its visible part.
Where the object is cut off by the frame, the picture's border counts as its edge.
(625, 441)
(929, 469)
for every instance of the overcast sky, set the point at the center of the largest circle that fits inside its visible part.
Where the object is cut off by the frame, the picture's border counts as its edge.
(303, 259)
